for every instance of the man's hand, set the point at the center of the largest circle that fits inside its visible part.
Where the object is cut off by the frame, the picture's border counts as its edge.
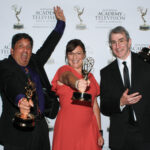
(59, 13)
(24, 106)
(130, 99)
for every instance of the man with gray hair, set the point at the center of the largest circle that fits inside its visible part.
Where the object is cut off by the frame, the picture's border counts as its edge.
(125, 95)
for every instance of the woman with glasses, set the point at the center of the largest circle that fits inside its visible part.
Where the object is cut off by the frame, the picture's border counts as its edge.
(78, 125)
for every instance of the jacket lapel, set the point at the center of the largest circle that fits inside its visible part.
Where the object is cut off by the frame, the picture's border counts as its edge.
(134, 68)
(17, 68)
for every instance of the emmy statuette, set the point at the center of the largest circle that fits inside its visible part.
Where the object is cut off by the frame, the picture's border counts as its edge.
(144, 54)
(83, 98)
(80, 26)
(21, 121)
(18, 25)
(143, 27)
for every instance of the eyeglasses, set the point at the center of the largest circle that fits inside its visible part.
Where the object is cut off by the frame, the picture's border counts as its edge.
(78, 54)
(120, 42)
(21, 46)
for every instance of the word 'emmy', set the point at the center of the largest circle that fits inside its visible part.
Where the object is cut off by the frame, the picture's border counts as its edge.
(83, 98)
(26, 121)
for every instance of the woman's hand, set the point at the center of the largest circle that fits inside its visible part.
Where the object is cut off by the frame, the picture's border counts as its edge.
(82, 85)
(100, 141)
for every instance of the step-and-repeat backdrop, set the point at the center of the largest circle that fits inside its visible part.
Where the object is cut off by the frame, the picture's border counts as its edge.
(88, 20)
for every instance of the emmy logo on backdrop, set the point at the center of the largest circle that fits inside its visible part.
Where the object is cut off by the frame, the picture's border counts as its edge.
(80, 26)
(83, 98)
(26, 121)
(17, 11)
(143, 14)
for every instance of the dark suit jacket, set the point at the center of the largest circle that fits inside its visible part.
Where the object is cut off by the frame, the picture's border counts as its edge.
(13, 81)
(112, 89)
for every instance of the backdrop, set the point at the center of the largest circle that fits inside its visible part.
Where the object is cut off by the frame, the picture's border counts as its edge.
(88, 20)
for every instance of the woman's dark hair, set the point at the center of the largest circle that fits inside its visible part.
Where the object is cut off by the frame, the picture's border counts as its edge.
(72, 44)
(20, 36)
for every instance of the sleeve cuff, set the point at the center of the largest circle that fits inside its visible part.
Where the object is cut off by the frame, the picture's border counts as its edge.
(18, 97)
(60, 26)
(122, 107)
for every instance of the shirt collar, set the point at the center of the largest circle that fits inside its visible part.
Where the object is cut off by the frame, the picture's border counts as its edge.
(128, 60)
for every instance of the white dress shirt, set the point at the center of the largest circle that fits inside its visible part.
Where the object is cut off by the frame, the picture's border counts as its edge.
(121, 66)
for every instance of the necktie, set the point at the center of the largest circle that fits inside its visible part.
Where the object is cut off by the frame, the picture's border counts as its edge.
(127, 85)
